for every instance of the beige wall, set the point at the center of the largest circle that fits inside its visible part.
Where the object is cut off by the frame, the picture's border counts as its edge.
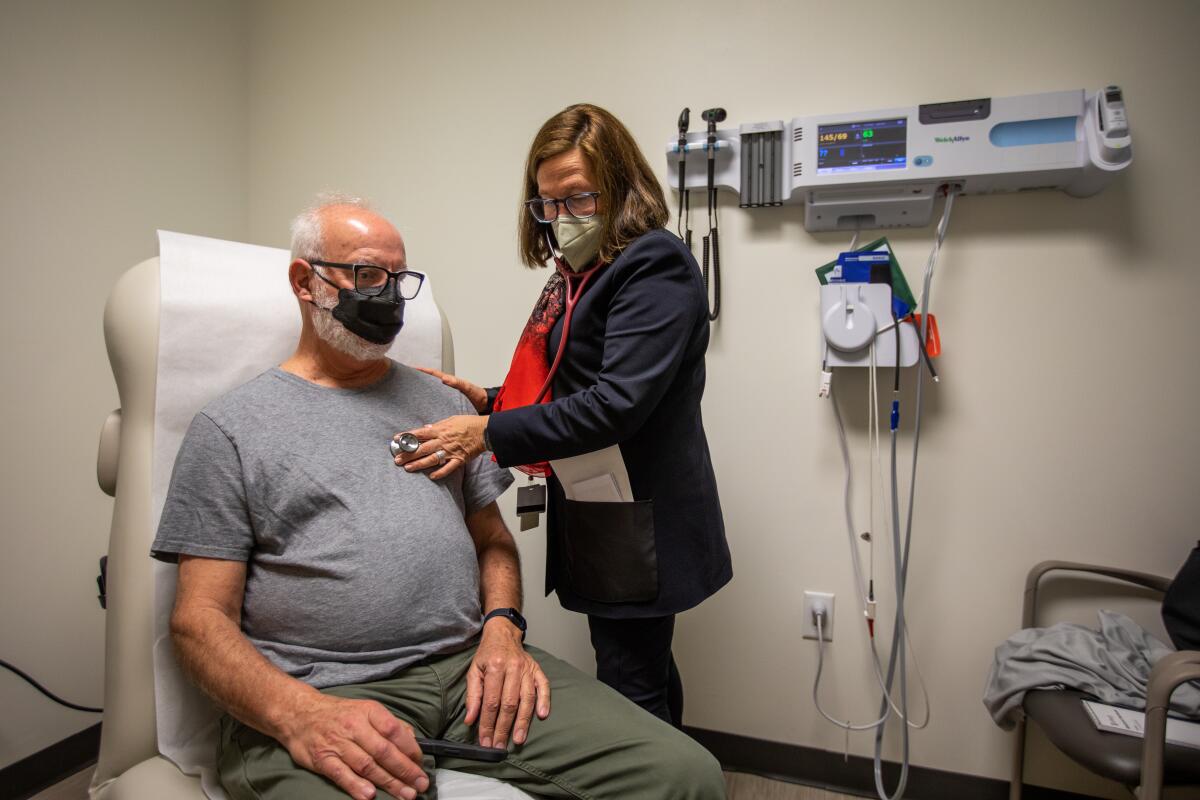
(118, 118)
(1061, 428)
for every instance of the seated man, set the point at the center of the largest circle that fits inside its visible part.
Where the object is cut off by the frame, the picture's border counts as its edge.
(336, 606)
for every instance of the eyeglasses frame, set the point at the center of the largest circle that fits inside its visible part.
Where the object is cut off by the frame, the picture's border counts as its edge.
(392, 276)
(560, 203)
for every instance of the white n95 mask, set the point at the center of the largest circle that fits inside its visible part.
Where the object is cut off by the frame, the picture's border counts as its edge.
(578, 239)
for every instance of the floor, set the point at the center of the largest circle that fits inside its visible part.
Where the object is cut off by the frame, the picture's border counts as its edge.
(73, 788)
(740, 787)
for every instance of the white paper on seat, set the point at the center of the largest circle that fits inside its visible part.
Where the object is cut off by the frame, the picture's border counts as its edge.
(227, 313)
(1129, 722)
(452, 785)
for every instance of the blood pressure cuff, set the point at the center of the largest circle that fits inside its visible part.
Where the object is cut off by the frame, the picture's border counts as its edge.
(1181, 605)
(849, 269)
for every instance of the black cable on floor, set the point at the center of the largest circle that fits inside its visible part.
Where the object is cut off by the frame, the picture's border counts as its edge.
(47, 692)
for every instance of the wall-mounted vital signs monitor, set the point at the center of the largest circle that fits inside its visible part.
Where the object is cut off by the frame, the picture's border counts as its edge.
(871, 146)
(883, 168)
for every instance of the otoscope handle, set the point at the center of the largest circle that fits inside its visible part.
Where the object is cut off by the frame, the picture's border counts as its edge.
(716, 277)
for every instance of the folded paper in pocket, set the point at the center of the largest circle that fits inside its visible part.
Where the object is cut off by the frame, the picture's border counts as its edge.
(600, 489)
(601, 476)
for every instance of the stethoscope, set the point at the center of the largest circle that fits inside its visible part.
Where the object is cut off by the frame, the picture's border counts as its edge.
(572, 295)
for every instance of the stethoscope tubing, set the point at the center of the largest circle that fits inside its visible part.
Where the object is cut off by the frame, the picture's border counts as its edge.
(572, 297)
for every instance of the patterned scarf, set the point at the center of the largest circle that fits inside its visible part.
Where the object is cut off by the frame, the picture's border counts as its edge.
(530, 365)
(529, 374)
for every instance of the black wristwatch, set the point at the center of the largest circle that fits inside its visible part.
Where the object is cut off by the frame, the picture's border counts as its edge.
(512, 615)
(490, 403)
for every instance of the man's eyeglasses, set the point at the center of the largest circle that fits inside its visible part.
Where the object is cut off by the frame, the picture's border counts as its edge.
(372, 280)
(580, 206)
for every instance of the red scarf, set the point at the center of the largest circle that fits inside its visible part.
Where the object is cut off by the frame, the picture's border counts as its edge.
(530, 373)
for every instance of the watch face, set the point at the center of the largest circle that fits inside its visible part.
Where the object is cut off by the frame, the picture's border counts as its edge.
(512, 614)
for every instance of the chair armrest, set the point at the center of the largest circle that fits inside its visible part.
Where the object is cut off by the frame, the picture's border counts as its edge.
(1166, 676)
(108, 454)
(1155, 583)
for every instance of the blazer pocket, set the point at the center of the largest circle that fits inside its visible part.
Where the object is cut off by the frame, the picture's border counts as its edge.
(610, 552)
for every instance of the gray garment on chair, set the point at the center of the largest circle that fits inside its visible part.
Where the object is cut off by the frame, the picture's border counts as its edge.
(1113, 664)
(356, 568)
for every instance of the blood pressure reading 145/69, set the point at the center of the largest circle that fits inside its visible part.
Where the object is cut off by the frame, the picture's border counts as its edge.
(862, 146)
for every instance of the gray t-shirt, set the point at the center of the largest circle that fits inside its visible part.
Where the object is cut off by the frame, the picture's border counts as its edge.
(356, 568)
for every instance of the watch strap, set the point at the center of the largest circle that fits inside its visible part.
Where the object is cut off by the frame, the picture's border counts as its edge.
(491, 392)
(510, 614)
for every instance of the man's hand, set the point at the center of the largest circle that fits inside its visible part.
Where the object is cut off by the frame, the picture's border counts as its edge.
(357, 744)
(505, 686)
(476, 395)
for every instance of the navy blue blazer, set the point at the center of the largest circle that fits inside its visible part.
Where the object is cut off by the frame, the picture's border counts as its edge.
(632, 375)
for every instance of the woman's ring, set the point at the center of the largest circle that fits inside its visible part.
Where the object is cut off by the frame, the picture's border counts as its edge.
(441, 457)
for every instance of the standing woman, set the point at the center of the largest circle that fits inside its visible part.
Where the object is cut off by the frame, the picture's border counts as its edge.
(613, 354)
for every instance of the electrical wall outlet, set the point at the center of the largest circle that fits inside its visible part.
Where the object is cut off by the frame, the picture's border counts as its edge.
(808, 625)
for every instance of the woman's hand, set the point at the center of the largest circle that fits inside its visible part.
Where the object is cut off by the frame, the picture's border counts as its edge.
(476, 395)
(445, 446)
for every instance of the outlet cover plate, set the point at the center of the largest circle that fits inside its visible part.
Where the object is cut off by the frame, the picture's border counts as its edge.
(807, 626)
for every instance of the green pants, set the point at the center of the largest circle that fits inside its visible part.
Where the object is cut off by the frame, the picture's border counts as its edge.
(594, 745)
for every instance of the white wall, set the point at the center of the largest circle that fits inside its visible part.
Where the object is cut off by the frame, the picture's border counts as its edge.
(117, 118)
(1061, 428)
(1041, 441)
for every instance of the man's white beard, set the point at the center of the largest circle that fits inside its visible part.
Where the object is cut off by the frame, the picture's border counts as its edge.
(337, 335)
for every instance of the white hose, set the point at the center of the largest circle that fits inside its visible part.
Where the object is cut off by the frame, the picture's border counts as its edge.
(897, 659)
(902, 550)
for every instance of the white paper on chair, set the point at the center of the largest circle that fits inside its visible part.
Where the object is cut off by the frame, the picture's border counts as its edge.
(226, 314)
(599, 476)
(1133, 723)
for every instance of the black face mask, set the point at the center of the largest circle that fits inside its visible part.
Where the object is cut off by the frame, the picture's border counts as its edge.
(377, 319)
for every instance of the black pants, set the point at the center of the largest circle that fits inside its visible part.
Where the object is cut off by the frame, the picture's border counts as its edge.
(1181, 606)
(634, 657)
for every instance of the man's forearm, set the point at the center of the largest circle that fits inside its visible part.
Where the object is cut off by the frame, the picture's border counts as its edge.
(500, 574)
(222, 661)
(499, 562)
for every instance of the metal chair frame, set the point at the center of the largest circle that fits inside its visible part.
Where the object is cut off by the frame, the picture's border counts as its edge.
(1167, 674)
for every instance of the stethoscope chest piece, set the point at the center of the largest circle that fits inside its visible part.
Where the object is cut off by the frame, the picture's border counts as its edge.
(407, 443)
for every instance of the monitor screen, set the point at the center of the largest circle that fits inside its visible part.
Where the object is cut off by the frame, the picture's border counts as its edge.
(862, 146)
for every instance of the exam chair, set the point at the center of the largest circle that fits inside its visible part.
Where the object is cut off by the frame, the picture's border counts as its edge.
(1141, 765)
(131, 763)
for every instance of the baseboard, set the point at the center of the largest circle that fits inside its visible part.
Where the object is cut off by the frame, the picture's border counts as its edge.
(856, 776)
(57, 762)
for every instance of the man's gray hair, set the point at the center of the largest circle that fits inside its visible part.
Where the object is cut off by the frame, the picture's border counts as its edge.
(308, 239)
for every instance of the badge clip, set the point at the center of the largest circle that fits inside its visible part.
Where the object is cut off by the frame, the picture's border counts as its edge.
(531, 503)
